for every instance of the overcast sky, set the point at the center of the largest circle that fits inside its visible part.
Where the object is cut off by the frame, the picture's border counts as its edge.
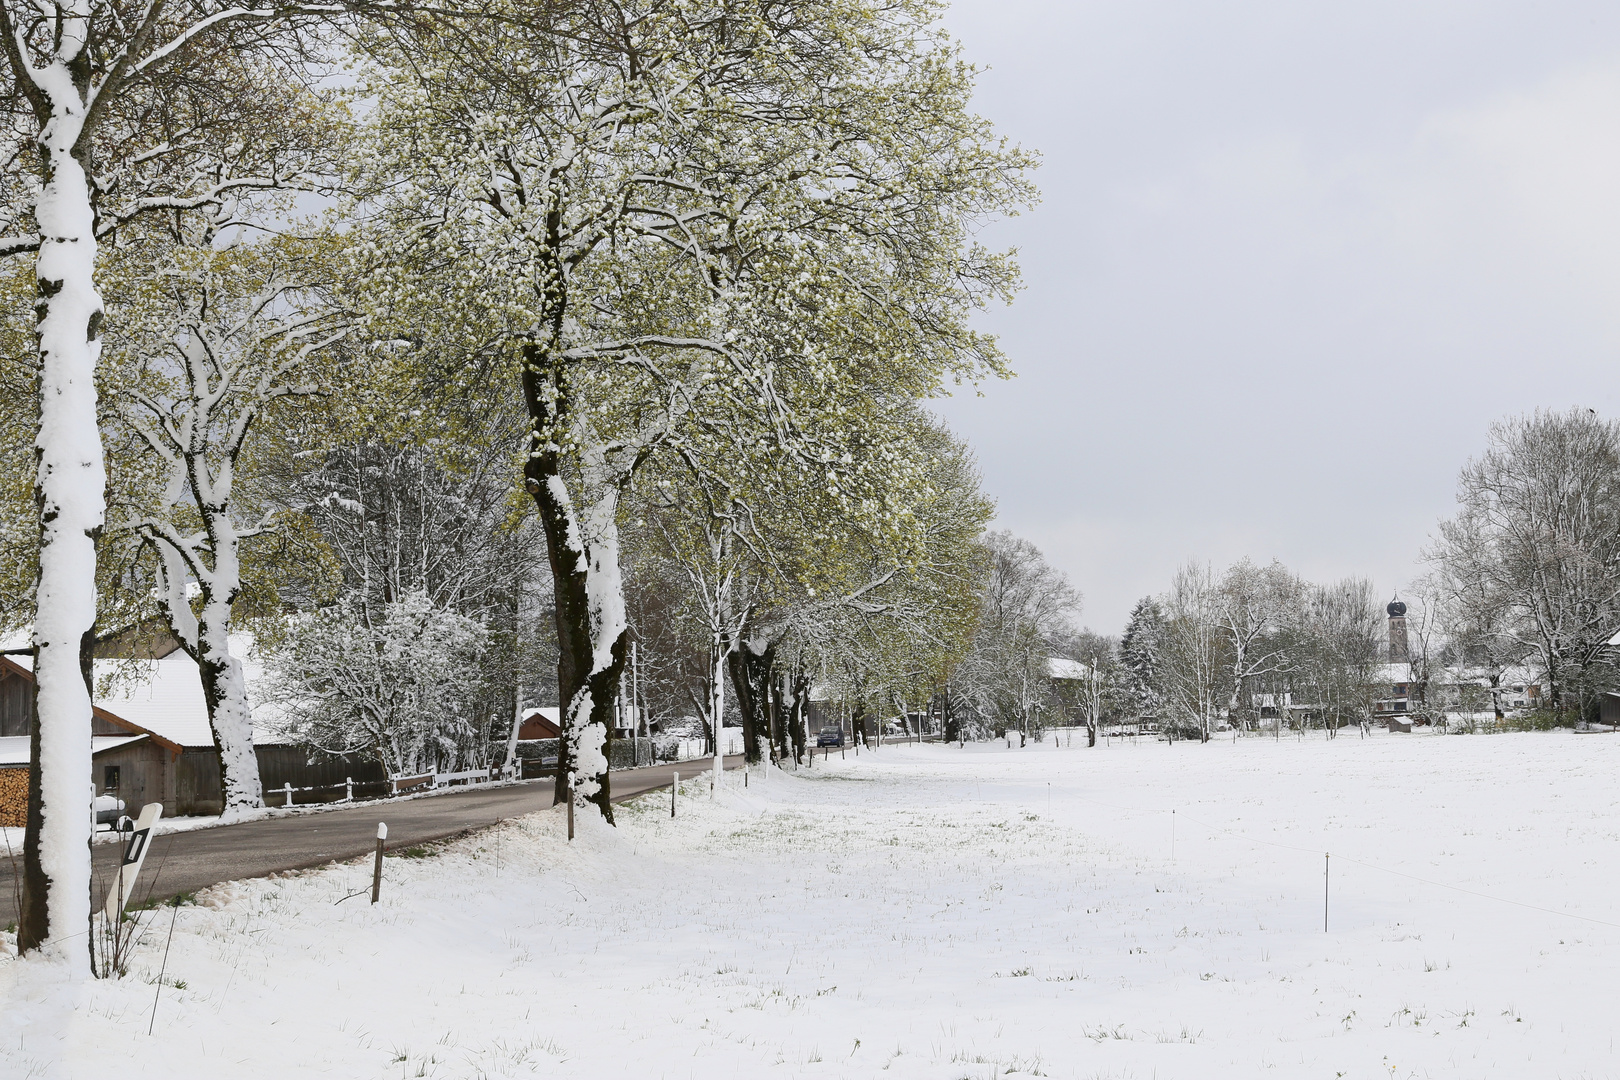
(1291, 261)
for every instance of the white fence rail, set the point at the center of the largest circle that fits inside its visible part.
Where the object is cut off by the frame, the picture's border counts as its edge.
(433, 780)
(395, 785)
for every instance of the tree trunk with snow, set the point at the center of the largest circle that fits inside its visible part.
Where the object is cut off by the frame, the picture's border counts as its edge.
(225, 693)
(717, 709)
(751, 676)
(513, 768)
(205, 637)
(796, 696)
(778, 720)
(69, 494)
(592, 632)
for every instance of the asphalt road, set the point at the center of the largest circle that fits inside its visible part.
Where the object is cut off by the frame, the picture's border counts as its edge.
(183, 862)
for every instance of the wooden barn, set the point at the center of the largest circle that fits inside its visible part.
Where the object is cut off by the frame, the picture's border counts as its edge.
(150, 741)
(128, 760)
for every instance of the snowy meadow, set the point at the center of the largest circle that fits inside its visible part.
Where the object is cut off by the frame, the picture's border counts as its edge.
(925, 912)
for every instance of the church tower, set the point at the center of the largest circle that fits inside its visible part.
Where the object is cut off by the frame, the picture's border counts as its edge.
(1399, 653)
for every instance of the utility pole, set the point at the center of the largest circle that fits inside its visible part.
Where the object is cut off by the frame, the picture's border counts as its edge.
(635, 690)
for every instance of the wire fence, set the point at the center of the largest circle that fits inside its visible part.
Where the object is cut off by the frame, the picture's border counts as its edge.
(1177, 814)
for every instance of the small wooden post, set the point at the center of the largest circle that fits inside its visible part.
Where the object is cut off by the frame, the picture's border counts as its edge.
(674, 789)
(288, 788)
(1325, 860)
(570, 811)
(348, 789)
(376, 870)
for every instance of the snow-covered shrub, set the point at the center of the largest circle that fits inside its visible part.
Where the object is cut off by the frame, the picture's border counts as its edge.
(398, 681)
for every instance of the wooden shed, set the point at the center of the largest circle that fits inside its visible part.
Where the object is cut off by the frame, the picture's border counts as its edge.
(1609, 709)
(128, 759)
(136, 768)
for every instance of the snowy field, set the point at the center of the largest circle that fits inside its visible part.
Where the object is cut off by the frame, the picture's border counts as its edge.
(930, 912)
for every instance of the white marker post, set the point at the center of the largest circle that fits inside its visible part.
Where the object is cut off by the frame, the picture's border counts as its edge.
(134, 855)
(376, 871)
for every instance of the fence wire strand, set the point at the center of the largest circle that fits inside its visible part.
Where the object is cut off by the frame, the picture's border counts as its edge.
(1183, 815)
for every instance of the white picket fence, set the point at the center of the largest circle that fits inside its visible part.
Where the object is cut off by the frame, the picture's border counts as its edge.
(444, 779)
(395, 786)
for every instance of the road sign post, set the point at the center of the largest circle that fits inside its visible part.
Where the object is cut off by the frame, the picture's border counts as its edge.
(134, 856)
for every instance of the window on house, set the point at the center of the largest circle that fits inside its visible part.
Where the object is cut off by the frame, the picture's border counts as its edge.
(109, 777)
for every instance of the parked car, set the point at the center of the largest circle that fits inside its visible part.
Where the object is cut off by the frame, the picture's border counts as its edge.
(830, 736)
(108, 808)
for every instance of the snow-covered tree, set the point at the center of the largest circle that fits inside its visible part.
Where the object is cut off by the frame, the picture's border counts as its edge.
(1024, 610)
(1194, 660)
(1339, 671)
(1533, 555)
(226, 336)
(1471, 603)
(399, 682)
(102, 120)
(881, 618)
(1097, 692)
(1141, 649)
(405, 488)
(692, 230)
(1253, 608)
(719, 577)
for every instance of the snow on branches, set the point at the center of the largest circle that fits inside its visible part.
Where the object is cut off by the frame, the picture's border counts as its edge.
(398, 683)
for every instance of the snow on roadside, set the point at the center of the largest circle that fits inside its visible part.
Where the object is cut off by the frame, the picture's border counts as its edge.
(927, 912)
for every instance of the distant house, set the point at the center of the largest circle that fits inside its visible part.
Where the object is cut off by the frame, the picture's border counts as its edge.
(1060, 669)
(151, 740)
(541, 723)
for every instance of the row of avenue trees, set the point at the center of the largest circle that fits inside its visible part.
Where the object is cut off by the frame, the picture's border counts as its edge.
(540, 313)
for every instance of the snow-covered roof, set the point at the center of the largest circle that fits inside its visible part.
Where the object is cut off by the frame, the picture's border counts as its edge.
(163, 696)
(14, 748)
(1060, 668)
